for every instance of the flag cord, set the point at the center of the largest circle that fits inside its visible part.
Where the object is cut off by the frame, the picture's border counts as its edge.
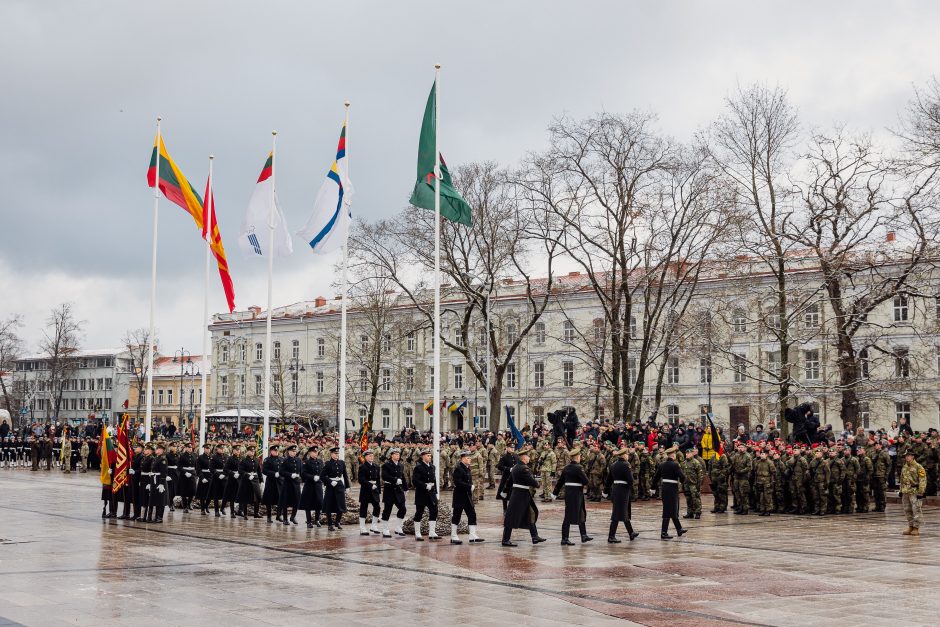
(153, 291)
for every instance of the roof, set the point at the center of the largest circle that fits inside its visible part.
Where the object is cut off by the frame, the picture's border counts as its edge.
(166, 367)
(82, 352)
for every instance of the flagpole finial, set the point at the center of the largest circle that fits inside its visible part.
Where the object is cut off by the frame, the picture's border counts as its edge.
(437, 66)
(211, 157)
(159, 118)
(274, 133)
(346, 104)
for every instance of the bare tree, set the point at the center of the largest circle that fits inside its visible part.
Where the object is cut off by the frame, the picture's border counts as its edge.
(136, 341)
(11, 345)
(59, 343)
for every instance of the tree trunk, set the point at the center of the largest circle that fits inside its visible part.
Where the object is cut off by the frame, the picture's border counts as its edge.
(496, 398)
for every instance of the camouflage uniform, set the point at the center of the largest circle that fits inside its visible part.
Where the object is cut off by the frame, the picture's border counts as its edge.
(781, 485)
(694, 469)
(836, 473)
(596, 466)
(718, 479)
(819, 474)
(85, 452)
(492, 459)
(741, 469)
(863, 482)
(849, 482)
(645, 473)
(913, 486)
(477, 471)
(881, 466)
(799, 480)
(547, 467)
(764, 472)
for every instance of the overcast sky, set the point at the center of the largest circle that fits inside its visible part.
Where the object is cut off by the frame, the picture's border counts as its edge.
(81, 84)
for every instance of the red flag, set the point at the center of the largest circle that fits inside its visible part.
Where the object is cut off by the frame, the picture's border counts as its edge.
(124, 456)
(211, 225)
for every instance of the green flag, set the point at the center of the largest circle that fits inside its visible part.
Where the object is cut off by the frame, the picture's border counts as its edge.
(453, 206)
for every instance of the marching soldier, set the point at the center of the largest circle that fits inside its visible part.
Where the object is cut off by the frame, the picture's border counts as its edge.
(132, 490)
(369, 493)
(145, 485)
(83, 453)
(694, 470)
(232, 476)
(913, 486)
(217, 482)
(492, 459)
(158, 477)
(203, 478)
(595, 468)
(521, 512)
(849, 481)
(670, 474)
(270, 468)
(619, 485)
(312, 496)
(337, 482)
(463, 500)
(186, 483)
(289, 486)
(249, 483)
(505, 466)
(393, 493)
(172, 474)
(424, 480)
(574, 480)
(547, 463)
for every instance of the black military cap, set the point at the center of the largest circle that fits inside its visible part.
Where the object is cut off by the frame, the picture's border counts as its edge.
(335, 449)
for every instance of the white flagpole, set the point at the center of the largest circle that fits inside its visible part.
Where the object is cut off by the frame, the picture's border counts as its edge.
(436, 416)
(153, 289)
(266, 426)
(205, 312)
(341, 410)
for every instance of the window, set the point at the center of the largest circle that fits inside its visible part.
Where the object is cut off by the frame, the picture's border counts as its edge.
(362, 416)
(386, 379)
(259, 390)
(192, 396)
(739, 321)
(482, 413)
(902, 363)
(704, 371)
(319, 382)
(295, 349)
(259, 351)
(409, 416)
(458, 337)
(568, 333)
(386, 418)
(409, 379)
(411, 341)
(91, 385)
(539, 369)
(294, 387)
(241, 385)
(631, 370)
(772, 319)
(672, 370)
(363, 380)
(567, 373)
(100, 383)
(159, 398)
(321, 347)
(538, 411)
(511, 334)
(431, 376)
(540, 331)
(224, 353)
(81, 401)
(108, 383)
(672, 414)
(864, 414)
(633, 326)
(82, 384)
(864, 363)
(902, 410)
(740, 368)
(276, 386)
(364, 343)
(169, 396)
(243, 352)
(277, 350)
(511, 376)
(600, 331)
(223, 385)
(387, 342)
(811, 365)
(900, 308)
(458, 377)
(703, 413)
(107, 403)
(811, 316)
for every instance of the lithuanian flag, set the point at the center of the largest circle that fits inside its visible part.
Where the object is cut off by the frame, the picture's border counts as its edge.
(106, 449)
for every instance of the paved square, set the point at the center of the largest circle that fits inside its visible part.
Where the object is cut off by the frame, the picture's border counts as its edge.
(61, 564)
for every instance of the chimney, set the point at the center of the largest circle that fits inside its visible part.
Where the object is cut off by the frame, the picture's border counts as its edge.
(319, 301)
(891, 237)
(574, 274)
(255, 311)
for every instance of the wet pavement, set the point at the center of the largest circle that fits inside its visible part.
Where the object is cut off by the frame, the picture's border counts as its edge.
(61, 564)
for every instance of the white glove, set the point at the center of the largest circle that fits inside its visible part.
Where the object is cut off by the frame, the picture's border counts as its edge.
(375, 487)
(205, 481)
(236, 475)
(471, 487)
(333, 483)
(294, 475)
(397, 481)
(277, 475)
(252, 475)
(652, 492)
(603, 495)
(169, 478)
(188, 474)
(109, 471)
(221, 476)
(161, 489)
(133, 472)
(147, 488)
(429, 486)
(316, 477)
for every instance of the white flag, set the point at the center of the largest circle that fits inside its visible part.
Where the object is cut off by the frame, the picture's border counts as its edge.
(254, 237)
(327, 228)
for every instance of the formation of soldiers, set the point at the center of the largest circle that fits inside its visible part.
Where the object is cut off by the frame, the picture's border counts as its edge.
(68, 454)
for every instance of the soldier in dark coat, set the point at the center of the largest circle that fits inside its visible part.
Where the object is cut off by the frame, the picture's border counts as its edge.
(158, 493)
(393, 493)
(132, 490)
(505, 465)
(270, 469)
(573, 480)
(369, 493)
(172, 475)
(312, 496)
(249, 483)
(336, 484)
(186, 476)
(619, 487)
(203, 478)
(463, 499)
(424, 480)
(146, 483)
(521, 512)
(232, 476)
(671, 476)
(290, 485)
(217, 482)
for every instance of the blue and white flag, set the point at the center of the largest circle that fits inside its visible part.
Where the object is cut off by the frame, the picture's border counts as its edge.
(327, 228)
(255, 235)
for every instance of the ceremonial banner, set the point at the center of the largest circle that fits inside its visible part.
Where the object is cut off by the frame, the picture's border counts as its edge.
(124, 456)
(105, 448)
(520, 440)
(215, 244)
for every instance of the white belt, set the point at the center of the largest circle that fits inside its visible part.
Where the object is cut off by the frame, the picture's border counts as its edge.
(521, 487)
(620, 481)
(669, 481)
(373, 482)
(575, 485)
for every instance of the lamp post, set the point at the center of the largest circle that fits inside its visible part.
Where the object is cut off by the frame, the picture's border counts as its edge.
(295, 367)
(192, 370)
(183, 357)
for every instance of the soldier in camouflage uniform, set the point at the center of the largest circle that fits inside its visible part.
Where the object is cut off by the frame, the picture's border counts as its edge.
(798, 467)
(694, 471)
(596, 467)
(913, 486)
(932, 466)
(741, 482)
(478, 470)
(764, 473)
(718, 479)
(562, 458)
(646, 470)
(492, 459)
(836, 473)
(819, 482)
(781, 485)
(633, 458)
(351, 455)
(849, 481)
(547, 468)
(863, 482)
(881, 466)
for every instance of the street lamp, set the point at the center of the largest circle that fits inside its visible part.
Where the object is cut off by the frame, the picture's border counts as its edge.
(183, 357)
(295, 366)
(192, 370)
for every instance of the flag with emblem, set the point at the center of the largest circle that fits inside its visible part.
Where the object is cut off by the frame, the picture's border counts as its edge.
(264, 212)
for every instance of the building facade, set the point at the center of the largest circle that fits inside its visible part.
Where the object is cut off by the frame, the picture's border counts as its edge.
(177, 391)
